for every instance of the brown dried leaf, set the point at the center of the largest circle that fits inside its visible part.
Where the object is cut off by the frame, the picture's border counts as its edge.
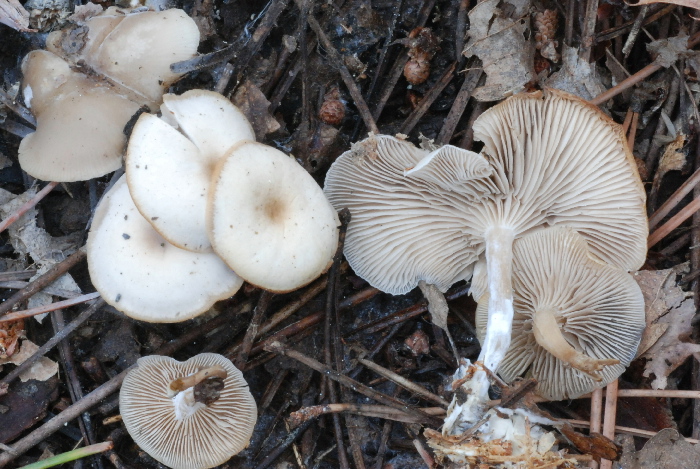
(437, 304)
(13, 14)
(669, 312)
(668, 51)
(665, 450)
(41, 370)
(496, 36)
(576, 76)
(672, 159)
(595, 444)
(253, 103)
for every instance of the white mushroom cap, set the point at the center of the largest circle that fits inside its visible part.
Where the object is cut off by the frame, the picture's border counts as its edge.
(269, 220)
(169, 173)
(180, 432)
(138, 272)
(599, 310)
(408, 221)
(80, 124)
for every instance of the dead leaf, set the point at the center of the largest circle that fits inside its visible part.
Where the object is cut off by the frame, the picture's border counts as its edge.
(668, 51)
(10, 333)
(576, 76)
(24, 405)
(672, 159)
(41, 370)
(437, 304)
(669, 315)
(497, 36)
(595, 444)
(683, 3)
(253, 103)
(665, 450)
(13, 14)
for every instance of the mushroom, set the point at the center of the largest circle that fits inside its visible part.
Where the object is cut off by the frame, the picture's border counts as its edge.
(170, 161)
(188, 415)
(139, 273)
(81, 116)
(577, 321)
(269, 220)
(552, 159)
(76, 136)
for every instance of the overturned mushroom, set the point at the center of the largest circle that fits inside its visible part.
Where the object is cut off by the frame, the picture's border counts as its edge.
(577, 321)
(195, 414)
(550, 158)
(269, 220)
(138, 272)
(170, 162)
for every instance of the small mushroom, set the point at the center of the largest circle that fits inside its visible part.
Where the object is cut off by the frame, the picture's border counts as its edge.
(577, 321)
(170, 161)
(269, 220)
(139, 273)
(172, 415)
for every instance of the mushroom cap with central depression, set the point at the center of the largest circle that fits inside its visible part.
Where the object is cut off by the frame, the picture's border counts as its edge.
(269, 220)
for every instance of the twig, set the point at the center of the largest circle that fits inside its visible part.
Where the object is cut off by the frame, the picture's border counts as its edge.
(588, 33)
(468, 138)
(459, 105)
(366, 410)
(252, 332)
(425, 456)
(280, 349)
(27, 206)
(242, 50)
(48, 308)
(637, 77)
(675, 221)
(403, 382)
(626, 430)
(609, 419)
(51, 343)
(461, 27)
(675, 199)
(634, 32)
(43, 281)
(283, 445)
(428, 99)
(18, 275)
(617, 31)
(50, 290)
(337, 60)
(570, 18)
(596, 414)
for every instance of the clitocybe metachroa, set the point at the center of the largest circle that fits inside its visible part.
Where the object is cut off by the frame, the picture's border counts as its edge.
(182, 421)
(549, 158)
(577, 321)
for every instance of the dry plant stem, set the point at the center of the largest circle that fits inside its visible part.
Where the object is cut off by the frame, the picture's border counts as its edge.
(48, 308)
(468, 138)
(549, 336)
(283, 87)
(425, 456)
(461, 27)
(626, 430)
(272, 389)
(588, 33)
(252, 332)
(675, 199)
(636, 27)
(284, 444)
(105, 390)
(381, 452)
(679, 243)
(27, 206)
(17, 285)
(280, 349)
(51, 343)
(628, 120)
(459, 105)
(385, 48)
(609, 418)
(428, 100)
(242, 50)
(403, 382)
(673, 223)
(620, 29)
(633, 130)
(570, 18)
(596, 414)
(19, 275)
(349, 81)
(637, 77)
(46, 279)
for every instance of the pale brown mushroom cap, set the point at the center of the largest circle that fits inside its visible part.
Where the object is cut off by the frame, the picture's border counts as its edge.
(269, 220)
(170, 162)
(139, 273)
(407, 217)
(80, 124)
(599, 309)
(207, 435)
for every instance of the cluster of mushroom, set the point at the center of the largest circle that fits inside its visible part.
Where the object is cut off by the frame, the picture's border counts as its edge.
(89, 82)
(549, 218)
(201, 208)
(195, 414)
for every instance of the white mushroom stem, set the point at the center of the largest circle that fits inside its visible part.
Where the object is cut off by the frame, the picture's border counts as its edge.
(184, 383)
(549, 336)
(499, 266)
